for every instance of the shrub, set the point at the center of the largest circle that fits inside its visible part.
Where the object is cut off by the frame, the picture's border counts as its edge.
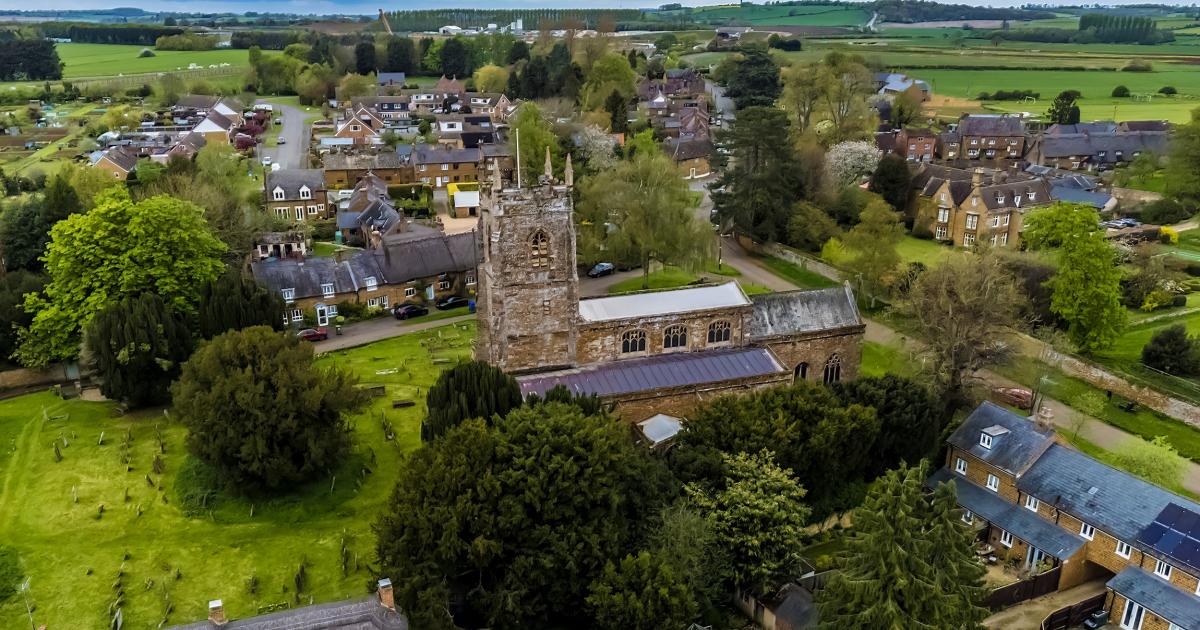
(1168, 90)
(1168, 236)
(1120, 92)
(146, 52)
(1179, 300)
(1165, 211)
(1192, 269)
(1157, 299)
(468, 390)
(1172, 351)
(1137, 66)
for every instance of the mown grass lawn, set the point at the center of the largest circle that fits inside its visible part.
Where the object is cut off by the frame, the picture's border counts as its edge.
(925, 251)
(107, 60)
(665, 278)
(72, 554)
(797, 275)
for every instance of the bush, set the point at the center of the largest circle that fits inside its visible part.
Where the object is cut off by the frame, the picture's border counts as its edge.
(1179, 300)
(1168, 90)
(1192, 269)
(1165, 211)
(1137, 66)
(1008, 95)
(1157, 299)
(1120, 92)
(1168, 236)
(324, 229)
(146, 52)
(1172, 351)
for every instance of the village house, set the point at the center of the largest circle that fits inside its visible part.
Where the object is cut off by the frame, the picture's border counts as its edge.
(280, 245)
(1099, 145)
(217, 128)
(894, 83)
(361, 125)
(344, 169)
(979, 206)
(691, 155)
(392, 109)
(1060, 514)
(438, 165)
(979, 137)
(117, 162)
(377, 612)
(465, 131)
(296, 194)
(676, 83)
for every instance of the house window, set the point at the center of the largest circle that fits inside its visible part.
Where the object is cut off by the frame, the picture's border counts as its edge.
(967, 517)
(960, 466)
(313, 209)
(470, 278)
(297, 315)
(719, 332)
(299, 213)
(305, 193)
(1132, 617)
(1087, 531)
(1031, 195)
(289, 295)
(972, 220)
(422, 169)
(999, 198)
(993, 483)
(633, 341)
(355, 128)
(1162, 569)
(372, 283)
(443, 285)
(995, 239)
(985, 440)
(327, 290)
(278, 194)
(996, 221)
(445, 167)
(1004, 220)
(331, 309)
(1004, 239)
(833, 369)
(942, 196)
(1032, 504)
(1006, 538)
(943, 215)
(410, 291)
(1124, 550)
(539, 249)
(675, 336)
(545, 307)
(940, 233)
(968, 240)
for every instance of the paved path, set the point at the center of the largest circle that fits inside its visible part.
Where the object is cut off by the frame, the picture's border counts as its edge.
(1028, 615)
(294, 151)
(378, 329)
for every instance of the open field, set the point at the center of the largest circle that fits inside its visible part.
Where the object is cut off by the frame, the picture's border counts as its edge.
(217, 550)
(796, 15)
(107, 60)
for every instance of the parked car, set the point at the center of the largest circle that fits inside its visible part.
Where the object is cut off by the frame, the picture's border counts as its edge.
(281, 140)
(266, 161)
(313, 334)
(408, 311)
(600, 269)
(451, 301)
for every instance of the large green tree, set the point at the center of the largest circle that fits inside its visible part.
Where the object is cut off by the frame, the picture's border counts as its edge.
(13, 316)
(60, 199)
(138, 346)
(687, 539)
(1087, 287)
(757, 190)
(611, 73)
(536, 135)
(364, 58)
(893, 181)
(911, 420)
(399, 55)
(892, 570)
(759, 513)
(874, 242)
(159, 245)
(24, 234)
(234, 302)
(260, 413)
(1183, 163)
(642, 592)
(1063, 109)
(456, 58)
(468, 390)
(514, 521)
(754, 81)
(641, 212)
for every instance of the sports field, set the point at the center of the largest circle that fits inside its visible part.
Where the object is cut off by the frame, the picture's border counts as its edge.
(108, 60)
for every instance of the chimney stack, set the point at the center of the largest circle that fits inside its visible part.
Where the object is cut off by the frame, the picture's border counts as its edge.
(977, 178)
(216, 613)
(386, 598)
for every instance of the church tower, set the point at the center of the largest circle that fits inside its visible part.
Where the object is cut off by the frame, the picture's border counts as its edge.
(528, 297)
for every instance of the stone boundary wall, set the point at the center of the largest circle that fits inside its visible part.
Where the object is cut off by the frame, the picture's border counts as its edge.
(25, 378)
(790, 255)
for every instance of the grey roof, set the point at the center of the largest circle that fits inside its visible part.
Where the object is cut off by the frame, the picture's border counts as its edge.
(122, 158)
(1075, 195)
(1159, 596)
(1146, 125)
(348, 615)
(364, 161)
(292, 179)
(1014, 452)
(1109, 499)
(799, 312)
(1015, 194)
(197, 101)
(687, 149)
(1010, 517)
(680, 369)
(305, 276)
(406, 260)
(794, 605)
(990, 125)
(684, 300)
(433, 154)
(1092, 127)
(1110, 144)
(391, 78)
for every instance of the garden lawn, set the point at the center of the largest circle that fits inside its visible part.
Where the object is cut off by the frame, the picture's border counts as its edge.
(797, 275)
(925, 251)
(188, 560)
(109, 60)
(665, 278)
(880, 360)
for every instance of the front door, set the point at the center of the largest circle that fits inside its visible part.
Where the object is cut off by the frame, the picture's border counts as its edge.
(322, 315)
(429, 292)
(1131, 619)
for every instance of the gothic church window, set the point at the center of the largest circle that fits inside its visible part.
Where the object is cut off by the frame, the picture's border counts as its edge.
(675, 337)
(633, 341)
(833, 369)
(539, 249)
(719, 332)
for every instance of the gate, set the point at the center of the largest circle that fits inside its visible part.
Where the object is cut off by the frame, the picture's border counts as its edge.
(1074, 615)
(1028, 588)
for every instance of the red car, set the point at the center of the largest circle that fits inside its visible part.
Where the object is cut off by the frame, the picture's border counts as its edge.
(313, 334)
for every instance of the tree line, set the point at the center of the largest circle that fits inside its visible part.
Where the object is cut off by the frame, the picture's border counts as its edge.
(923, 11)
(135, 34)
(29, 60)
(1121, 28)
(431, 20)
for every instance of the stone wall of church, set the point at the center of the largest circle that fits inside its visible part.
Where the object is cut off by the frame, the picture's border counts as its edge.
(816, 349)
(681, 402)
(602, 341)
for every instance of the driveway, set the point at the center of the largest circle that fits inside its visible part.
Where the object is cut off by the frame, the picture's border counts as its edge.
(380, 328)
(294, 151)
(723, 103)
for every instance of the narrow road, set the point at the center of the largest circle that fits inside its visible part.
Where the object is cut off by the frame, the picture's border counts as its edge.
(378, 329)
(293, 153)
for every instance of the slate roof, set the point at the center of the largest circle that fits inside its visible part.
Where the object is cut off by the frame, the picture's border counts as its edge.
(348, 615)
(1071, 194)
(431, 254)
(197, 101)
(1159, 596)
(390, 78)
(1146, 125)
(685, 300)
(990, 125)
(1092, 127)
(886, 141)
(292, 179)
(1092, 144)
(1110, 499)
(679, 369)
(1014, 452)
(1015, 194)
(687, 149)
(794, 605)
(363, 161)
(433, 154)
(1010, 517)
(305, 276)
(122, 158)
(798, 312)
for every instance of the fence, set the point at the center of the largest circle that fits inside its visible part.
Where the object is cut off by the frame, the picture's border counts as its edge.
(816, 581)
(1028, 588)
(1074, 615)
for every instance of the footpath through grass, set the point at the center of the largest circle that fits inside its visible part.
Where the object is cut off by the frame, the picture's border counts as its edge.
(179, 542)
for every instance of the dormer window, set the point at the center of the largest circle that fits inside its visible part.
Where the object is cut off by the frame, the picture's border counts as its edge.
(289, 295)
(372, 284)
(988, 436)
(1031, 195)
(277, 194)
(305, 193)
(999, 197)
(985, 440)
(327, 290)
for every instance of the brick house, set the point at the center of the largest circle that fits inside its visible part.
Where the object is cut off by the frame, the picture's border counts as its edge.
(691, 155)
(984, 137)
(344, 169)
(979, 206)
(216, 128)
(117, 162)
(438, 165)
(1052, 508)
(646, 353)
(917, 144)
(1088, 146)
(296, 194)
(361, 125)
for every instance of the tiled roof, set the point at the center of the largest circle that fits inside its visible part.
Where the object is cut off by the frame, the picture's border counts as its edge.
(1015, 194)
(197, 101)
(687, 149)
(433, 154)
(990, 125)
(1010, 517)
(1158, 596)
(1109, 499)
(305, 276)
(352, 615)
(361, 161)
(679, 369)
(402, 260)
(292, 179)
(1013, 452)
(798, 312)
(1092, 144)
(122, 158)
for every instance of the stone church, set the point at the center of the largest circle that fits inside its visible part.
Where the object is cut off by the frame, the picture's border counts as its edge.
(649, 353)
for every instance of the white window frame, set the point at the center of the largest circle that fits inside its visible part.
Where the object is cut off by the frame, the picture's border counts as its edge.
(297, 315)
(470, 278)
(1004, 239)
(1004, 219)
(327, 289)
(410, 291)
(940, 233)
(960, 466)
(314, 209)
(1162, 569)
(1133, 615)
(943, 215)
(1006, 538)
(1087, 531)
(968, 240)
(372, 283)
(289, 295)
(305, 193)
(443, 285)
(1122, 545)
(278, 194)
(985, 441)
(996, 221)
(993, 483)
(1031, 503)
(973, 219)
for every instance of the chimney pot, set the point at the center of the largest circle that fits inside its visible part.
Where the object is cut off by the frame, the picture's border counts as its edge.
(386, 599)
(216, 613)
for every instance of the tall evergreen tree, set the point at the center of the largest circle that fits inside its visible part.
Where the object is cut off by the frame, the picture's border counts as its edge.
(468, 390)
(364, 58)
(138, 345)
(60, 200)
(456, 59)
(513, 89)
(762, 183)
(518, 52)
(958, 574)
(399, 55)
(234, 302)
(755, 79)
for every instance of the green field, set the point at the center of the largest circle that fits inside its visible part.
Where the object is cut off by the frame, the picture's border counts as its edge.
(795, 15)
(109, 60)
(72, 553)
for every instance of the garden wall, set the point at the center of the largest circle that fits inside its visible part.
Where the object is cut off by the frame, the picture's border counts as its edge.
(21, 380)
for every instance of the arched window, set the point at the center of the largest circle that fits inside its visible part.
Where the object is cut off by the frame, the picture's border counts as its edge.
(719, 332)
(801, 372)
(539, 249)
(675, 336)
(833, 369)
(633, 341)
